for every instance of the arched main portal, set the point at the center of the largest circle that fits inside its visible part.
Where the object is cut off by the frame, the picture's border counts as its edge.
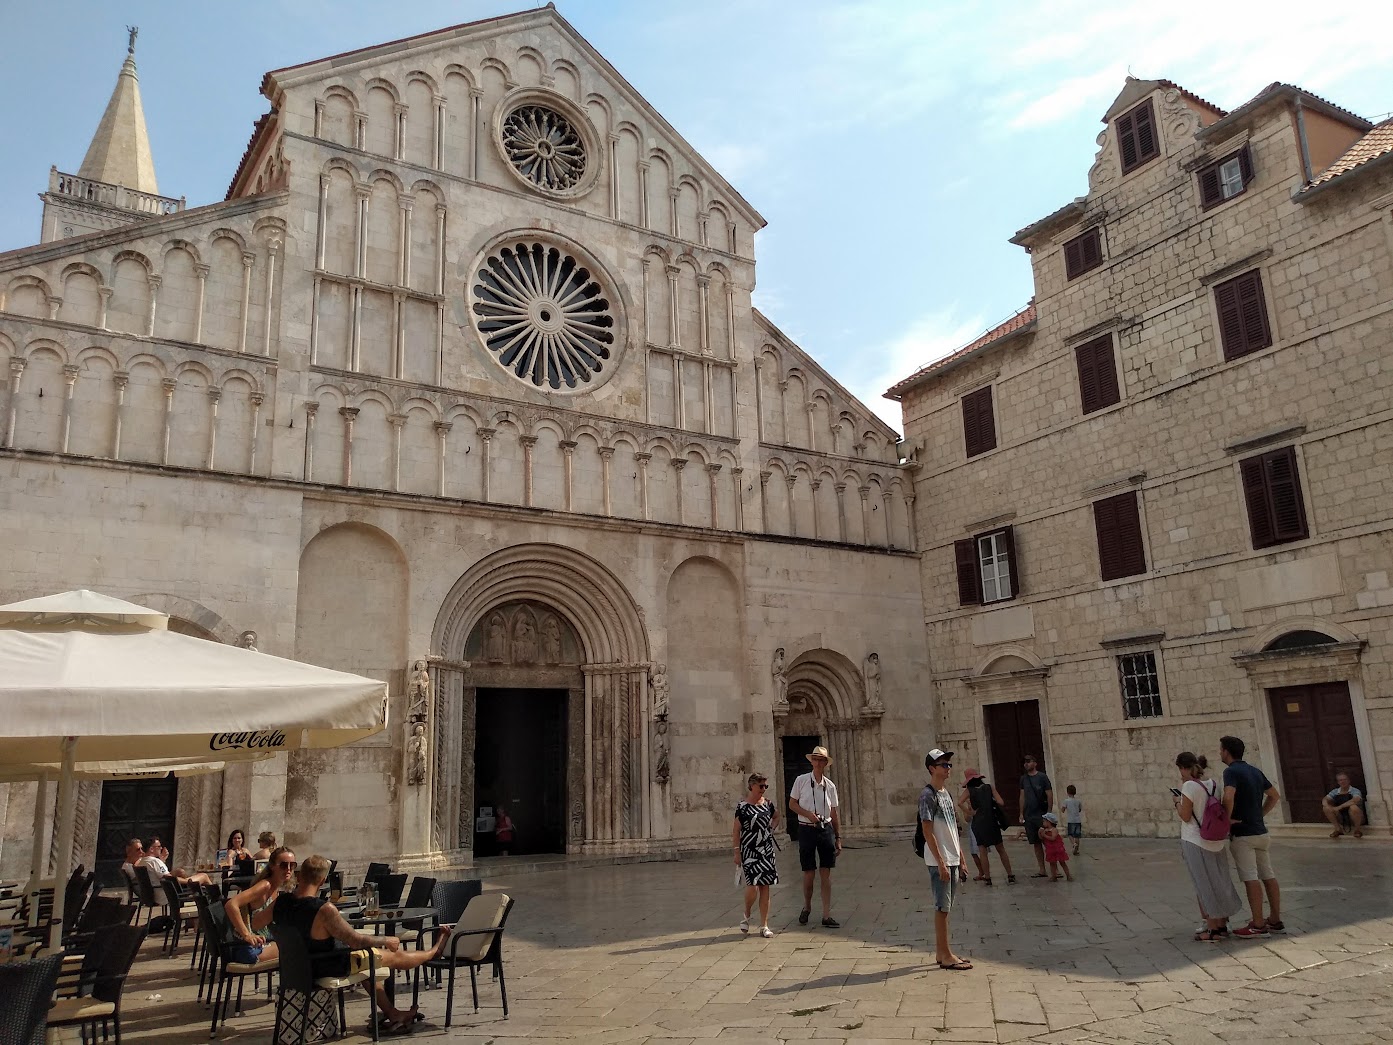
(542, 619)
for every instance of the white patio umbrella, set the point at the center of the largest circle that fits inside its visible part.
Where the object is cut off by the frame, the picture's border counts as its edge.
(88, 678)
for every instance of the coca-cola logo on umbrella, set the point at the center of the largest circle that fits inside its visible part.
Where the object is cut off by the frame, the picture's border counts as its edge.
(262, 739)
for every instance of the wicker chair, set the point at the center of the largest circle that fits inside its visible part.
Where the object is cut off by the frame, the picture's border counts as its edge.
(104, 971)
(27, 988)
(303, 999)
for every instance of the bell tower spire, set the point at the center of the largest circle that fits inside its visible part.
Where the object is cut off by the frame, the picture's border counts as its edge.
(116, 183)
(120, 150)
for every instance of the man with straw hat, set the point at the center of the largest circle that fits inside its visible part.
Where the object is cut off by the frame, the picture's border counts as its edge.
(813, 798)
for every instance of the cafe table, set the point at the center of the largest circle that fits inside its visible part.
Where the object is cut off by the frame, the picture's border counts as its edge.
(388, 918)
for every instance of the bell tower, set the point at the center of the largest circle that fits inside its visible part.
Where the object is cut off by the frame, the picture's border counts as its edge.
(116, 183)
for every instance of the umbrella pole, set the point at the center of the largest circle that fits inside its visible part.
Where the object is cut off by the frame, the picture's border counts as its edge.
(36, 859)
(61, 870)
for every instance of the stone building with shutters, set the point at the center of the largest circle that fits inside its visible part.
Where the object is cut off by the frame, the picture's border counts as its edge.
(461, 387)
(1156, 505)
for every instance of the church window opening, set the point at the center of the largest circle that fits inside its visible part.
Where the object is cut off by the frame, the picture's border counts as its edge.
(544, 315)
(544, 147)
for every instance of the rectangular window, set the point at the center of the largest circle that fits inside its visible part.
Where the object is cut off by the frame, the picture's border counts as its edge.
(1098, 385)
(1121, 550)
(1083, 253)
(1225, 178)
(1136, 137)
(979, 422)
(1272, 490)
(1243, 325)
(986, 567)
(1141, 686)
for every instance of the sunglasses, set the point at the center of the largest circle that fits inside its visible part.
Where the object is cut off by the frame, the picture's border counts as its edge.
(289, 865)
(762, 787)
(943, 765)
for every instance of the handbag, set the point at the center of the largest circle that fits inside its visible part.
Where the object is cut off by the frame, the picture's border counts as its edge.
(1000, 815)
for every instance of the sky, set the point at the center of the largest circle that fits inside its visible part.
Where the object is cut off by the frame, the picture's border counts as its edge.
(893, 146)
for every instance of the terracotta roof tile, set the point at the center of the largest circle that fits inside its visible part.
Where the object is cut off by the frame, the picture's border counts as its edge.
(1024, 318)
(1378, 142)
(1194, 97)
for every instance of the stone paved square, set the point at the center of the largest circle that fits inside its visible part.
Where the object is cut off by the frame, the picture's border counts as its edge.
(651, 952)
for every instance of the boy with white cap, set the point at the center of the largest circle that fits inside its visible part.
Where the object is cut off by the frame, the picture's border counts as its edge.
(943, 854)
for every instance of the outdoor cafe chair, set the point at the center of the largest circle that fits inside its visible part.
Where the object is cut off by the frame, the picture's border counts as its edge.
(27, 988)
(182, 913)
(103, 977)
(148, 889)
(100, 912)
(305, 1001)
(477, 940)
(419, 895)
(389, 890)
(222, 969)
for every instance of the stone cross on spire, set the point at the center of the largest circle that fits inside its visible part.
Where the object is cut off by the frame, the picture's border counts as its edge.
(120, 150)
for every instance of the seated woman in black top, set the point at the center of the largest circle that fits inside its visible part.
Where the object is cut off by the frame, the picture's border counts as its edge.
(239, 858)
(319, 923)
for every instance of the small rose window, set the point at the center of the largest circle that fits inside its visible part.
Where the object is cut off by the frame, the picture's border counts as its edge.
(544, 148)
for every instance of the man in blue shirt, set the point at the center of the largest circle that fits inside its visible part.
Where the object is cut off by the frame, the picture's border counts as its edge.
(1249, 796)
(1344, 808)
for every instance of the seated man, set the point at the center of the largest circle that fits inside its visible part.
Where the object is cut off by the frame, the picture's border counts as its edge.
(156, 855)
(320, 924)
(1344, 808)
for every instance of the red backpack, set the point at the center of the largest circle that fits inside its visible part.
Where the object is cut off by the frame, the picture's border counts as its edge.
(1214, 823)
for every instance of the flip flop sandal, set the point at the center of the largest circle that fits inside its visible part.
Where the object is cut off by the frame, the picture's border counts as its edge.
(1039, 876)
(744, 925)
(960, 965)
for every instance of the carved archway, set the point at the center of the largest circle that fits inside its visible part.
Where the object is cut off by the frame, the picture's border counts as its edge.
(826, 698)
(492, 630)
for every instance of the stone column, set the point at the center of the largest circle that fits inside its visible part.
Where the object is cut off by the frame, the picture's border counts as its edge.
(528, 442)
(399, 122)
(396, 421)
(764, 478)
(120, 379)
(438, 131)
(606, 458)
(760, 429)
(273, 248)
(202, 272)
(442, 431)
(256, 399)
(674, 328)
(103, 305)
(311, 408)
(70, 372)
(439, 257)
(362, 193)
(737, 477)
(154, 281)
(214, 395)
(783, 413)
(865, 492)
(613, 142)
(810, 408)
(841, 511)
(644, 210)
(792, 482)
(712, 471)
(321, 216)
(169, 384)
(730, 321)
(643, 460)
(398, 334)
(672, 193)
(485, 441)
(248, 259)
(710, 405)
(816, 485)
(913, 532)
(355, 330)
(404, 201)
(349, 415)
(568, 447)
(314, 319)
(476, 98)
(703, 314)
(679, 465)
(679, 393)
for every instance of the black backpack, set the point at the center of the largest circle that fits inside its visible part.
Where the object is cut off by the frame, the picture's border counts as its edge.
(918, 838)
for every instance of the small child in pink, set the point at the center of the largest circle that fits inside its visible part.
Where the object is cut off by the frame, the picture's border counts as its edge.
(1055, 853)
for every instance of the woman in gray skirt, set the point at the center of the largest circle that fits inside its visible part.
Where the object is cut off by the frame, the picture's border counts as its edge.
(1207, 861)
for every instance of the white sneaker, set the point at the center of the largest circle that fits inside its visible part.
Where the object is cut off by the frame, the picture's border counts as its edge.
(744, 925)
(766, 932)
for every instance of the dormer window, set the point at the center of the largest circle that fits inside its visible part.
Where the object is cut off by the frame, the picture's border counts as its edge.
(1136, 137)
(1225, 178)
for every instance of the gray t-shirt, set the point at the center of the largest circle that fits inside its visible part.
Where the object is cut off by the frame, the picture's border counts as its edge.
(1033, 790)
(1073, 810)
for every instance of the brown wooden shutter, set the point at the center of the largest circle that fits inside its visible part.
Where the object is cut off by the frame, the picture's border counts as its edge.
(1255, 496)
(969, 574)
(1136, 137)
(1091, 247)
(1211, 191)
(1230, 319)
(1253, 310)
(1245, 164)
(979, 422)
(1073, 259)
(1146, 132)
(1127, 141)
(1010, 535)
(1098, 386)
(1121, 549)
(1284, 495)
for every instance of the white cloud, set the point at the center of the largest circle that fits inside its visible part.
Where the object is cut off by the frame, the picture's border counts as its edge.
(930, 337)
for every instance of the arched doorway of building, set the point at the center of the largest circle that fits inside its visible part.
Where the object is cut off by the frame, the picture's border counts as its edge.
(541, 706)
(826, 698)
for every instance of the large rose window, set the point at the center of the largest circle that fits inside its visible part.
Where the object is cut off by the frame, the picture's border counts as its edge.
(543, 314)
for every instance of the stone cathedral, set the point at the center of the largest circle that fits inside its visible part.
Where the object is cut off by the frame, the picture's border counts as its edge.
(461, 387)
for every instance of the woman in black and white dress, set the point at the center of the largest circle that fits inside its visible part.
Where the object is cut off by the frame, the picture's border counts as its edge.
(756, 819)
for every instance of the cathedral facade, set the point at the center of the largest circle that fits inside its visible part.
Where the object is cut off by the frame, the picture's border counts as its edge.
(461, 387)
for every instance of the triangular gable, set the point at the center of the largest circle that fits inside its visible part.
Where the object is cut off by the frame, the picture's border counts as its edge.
(279, 80)
(1135, 91)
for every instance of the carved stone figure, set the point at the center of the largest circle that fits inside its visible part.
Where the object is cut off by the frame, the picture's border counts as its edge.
(418, 693)
(496, 646)
(551, 640)
(524, 640)
(247, 640)
(661, 770)
(416, 755)
(780, 681)
(661, 687)
(872, 674)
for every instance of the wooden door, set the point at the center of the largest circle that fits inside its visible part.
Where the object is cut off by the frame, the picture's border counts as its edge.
(1013, 731)
(134, 809)
(520, 765)
(793, 752)
(1316, 739)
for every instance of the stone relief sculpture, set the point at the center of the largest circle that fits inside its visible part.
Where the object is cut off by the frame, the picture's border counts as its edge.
(658, 680)
(551, 641)
(247, 640)
(780, 681)
(418, 692)
(871, 671)
(496, 645)
(662, 772)
(524, 640)
(416, 755)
